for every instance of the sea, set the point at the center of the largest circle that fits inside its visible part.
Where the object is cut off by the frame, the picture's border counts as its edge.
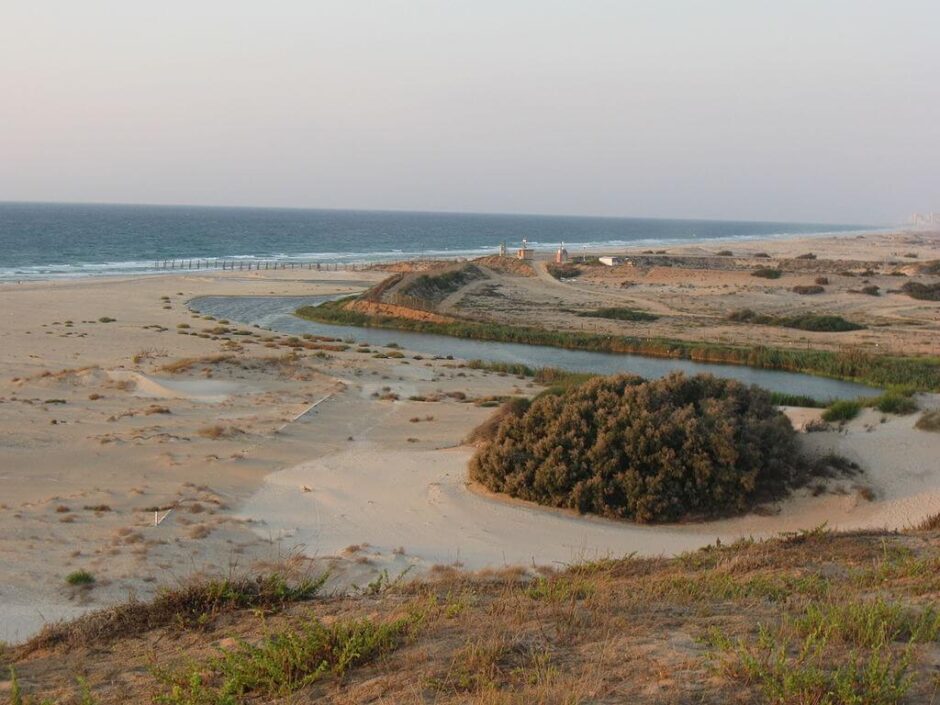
(58, 240)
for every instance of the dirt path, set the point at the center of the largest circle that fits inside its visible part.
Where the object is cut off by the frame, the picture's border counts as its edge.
(651, 305)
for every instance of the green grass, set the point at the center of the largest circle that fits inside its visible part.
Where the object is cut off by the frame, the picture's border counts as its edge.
(508, 368)
(620, 314)
(856, 365)
(869, 624)
(842, 410)
(785, 399)
(283, 663)
(852, 653)
(80, 577)
(895, 402)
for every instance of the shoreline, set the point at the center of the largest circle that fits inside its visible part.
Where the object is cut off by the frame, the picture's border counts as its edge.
(612, 247)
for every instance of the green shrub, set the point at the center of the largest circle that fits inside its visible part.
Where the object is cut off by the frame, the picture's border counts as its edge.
(895, 402)
(649, 451)
(80, 577)
(842, 410)
(767, 273)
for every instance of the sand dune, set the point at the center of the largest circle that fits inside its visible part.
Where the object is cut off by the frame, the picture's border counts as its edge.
(208, 391)
(420, 500)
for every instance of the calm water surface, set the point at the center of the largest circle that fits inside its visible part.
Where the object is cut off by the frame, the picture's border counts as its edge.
(277, 314)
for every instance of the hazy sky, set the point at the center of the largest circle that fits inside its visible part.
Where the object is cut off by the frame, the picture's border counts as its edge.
(821, 110)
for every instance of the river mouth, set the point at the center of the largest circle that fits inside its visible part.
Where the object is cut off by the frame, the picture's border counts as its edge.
(277, 314)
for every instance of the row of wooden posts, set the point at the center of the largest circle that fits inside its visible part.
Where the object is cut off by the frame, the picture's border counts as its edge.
(249, 265)
(254, 265)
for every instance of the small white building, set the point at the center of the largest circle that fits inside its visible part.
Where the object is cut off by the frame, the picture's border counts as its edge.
(525, 252)
(610, 261)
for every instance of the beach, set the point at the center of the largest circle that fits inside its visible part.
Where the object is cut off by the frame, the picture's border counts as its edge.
(146, 444)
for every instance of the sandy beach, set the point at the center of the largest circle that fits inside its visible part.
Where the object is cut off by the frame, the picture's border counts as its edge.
(145, 443)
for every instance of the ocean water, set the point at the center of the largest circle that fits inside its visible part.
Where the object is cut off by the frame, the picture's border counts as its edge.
(49, 240)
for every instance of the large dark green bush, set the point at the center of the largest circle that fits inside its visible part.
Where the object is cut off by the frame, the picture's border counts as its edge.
(663, 450)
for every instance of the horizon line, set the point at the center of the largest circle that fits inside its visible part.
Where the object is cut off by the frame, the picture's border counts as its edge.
(442, 212)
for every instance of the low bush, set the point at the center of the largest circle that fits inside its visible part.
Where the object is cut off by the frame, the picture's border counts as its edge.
(724, 253)
(807, 255)
(620, 314)
(805, 321)
(822, 281)
(564, 271)
(80, 577)
(767, 273)
(842, 410)
(649, 451)
(924, 292)
(808, 290)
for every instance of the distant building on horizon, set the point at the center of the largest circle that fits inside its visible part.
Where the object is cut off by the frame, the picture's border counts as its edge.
(922, 220)
(610, 261)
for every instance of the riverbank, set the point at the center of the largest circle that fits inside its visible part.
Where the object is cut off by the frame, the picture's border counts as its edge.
(839, 307)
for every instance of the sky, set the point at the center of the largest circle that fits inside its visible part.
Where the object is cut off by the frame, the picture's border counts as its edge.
(816, 111)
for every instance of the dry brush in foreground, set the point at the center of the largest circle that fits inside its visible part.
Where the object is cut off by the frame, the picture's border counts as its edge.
(814, 617)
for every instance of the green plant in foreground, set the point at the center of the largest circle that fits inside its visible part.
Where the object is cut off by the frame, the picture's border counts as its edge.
(869, 624)
(813, 666)
(80, 577)
(283, 663)
(808, 676)
(842, 410)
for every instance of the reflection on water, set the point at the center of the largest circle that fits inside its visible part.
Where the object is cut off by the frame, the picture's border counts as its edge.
(277, 313)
